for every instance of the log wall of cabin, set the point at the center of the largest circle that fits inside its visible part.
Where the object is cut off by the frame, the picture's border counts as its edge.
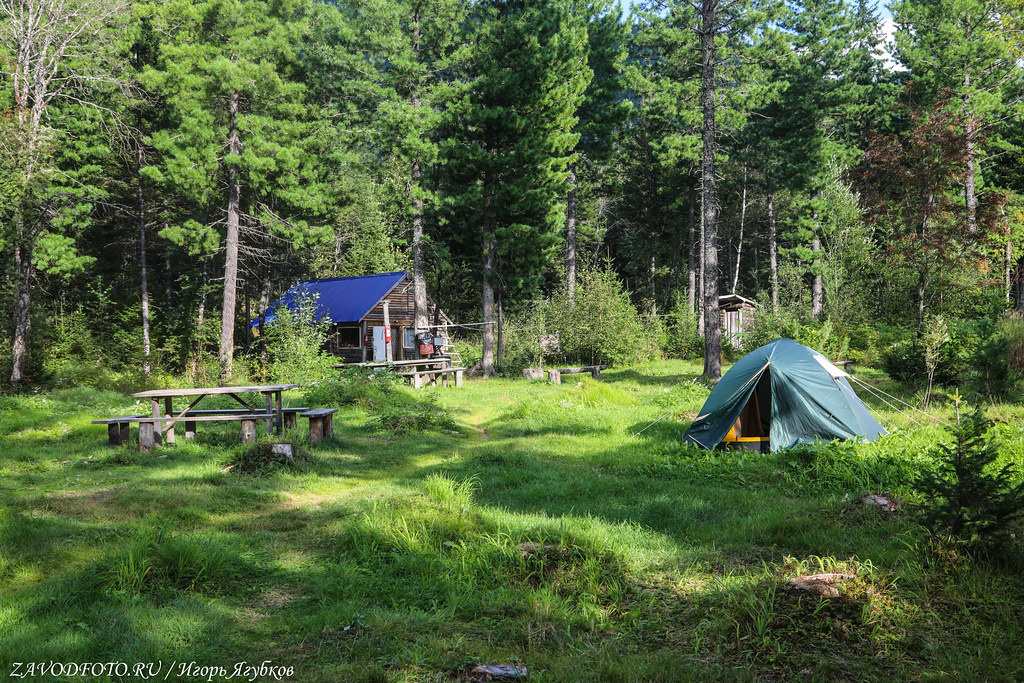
(401, 315)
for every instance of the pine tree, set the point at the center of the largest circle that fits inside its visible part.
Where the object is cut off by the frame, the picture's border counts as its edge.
(963, 51)
(526, 79)
(229, 73)
(603, 110)
(963, 497)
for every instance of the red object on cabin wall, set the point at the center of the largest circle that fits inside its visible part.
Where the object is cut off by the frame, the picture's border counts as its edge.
(367, 340)
(387, 335)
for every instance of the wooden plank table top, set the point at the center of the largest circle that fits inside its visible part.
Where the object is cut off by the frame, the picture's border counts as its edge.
(272, 393)
(207, 391)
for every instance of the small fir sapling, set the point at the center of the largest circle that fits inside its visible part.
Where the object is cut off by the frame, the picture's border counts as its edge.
(962, 499)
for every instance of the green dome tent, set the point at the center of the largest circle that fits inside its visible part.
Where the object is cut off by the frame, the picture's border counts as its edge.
(782, 394)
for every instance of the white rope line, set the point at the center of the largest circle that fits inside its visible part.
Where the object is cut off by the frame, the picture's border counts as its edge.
(939, 420)
(891, 425)
(652, 424)
(874, 392)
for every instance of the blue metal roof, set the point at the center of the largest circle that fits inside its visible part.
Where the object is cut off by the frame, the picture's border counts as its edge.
(338, 299)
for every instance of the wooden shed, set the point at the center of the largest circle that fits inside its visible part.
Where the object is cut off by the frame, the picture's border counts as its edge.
(355, 308)
(737, 312)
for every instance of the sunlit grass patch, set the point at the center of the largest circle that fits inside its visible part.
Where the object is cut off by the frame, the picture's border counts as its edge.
(565, 527)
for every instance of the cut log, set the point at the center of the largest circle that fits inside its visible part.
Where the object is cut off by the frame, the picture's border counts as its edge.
(248, 431)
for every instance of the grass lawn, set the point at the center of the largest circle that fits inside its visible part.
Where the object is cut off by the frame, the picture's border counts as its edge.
(556, 528)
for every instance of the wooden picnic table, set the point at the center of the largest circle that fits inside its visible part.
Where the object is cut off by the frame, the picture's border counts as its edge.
(418, 370)
(272, 412)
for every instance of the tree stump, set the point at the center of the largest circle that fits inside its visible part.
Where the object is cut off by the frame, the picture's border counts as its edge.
(248, 431)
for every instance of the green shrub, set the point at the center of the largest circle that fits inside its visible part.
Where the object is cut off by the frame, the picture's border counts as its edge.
(767, 327)
(295, 345)
(352, 385)
(400, 414)
(958, 358)
(681, 339)
(599, 326)
(825, 340)
(261, 459)
(963, 497)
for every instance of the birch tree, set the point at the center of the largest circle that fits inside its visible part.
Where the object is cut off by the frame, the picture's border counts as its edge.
(57, 51)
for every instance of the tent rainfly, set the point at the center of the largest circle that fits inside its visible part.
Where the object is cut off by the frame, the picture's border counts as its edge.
(781, 395)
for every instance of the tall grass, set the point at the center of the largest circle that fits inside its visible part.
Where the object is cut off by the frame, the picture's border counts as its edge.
(563, 527)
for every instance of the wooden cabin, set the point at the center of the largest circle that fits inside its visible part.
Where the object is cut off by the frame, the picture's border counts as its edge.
(737, 312)
(355, 308)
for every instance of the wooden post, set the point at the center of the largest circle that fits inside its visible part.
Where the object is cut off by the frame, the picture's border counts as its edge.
(248, 431)
(190, 429)
(118, 434)
(146, 436)
(169, 410)
(389, 356)
(290, 420)
(362, 340)
(316, 430)
(554, 376)
(458, 379)
(155, 434)
(270, 409)
(279, 420)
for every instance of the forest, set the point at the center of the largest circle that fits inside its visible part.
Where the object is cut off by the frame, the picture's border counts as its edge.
(170, 167)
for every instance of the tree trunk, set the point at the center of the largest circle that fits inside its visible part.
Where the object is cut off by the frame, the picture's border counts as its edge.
(570, 234)
(489, 245)
(773, 254)
(227, 321)
(817, 288)
(700, 270)
(739, 243)
(1009, 267)
(501, 336)
(419, 253)
(22, 309)
(1019, 304)
(709, 197)
(193, 369)
(652, 274)
(691, 253)
(970, 160)
(143, 266)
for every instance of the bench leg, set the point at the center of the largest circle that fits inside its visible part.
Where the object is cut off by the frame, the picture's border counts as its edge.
(328, 426)
(458, 379)
(170, 425)
(190, 429)
(248, 431)
(290, 420)
(417, 381)
(113, 435)
(146, 437)
(554, 376)
(316, 429)
(596, 372)
(444, 380)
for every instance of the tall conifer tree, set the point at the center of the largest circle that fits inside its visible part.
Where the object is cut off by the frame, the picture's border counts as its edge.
(516, 114)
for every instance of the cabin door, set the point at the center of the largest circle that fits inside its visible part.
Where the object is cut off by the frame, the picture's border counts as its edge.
(379, 348)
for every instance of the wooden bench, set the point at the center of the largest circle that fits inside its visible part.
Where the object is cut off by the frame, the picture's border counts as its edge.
(555, 376)
(321, 424)
(118, 428)
(420, 376)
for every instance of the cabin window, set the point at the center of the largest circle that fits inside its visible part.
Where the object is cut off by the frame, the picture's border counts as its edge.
(408, 337)
(348, 337)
